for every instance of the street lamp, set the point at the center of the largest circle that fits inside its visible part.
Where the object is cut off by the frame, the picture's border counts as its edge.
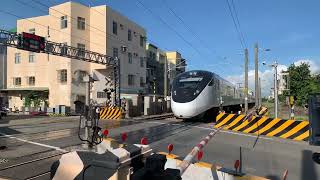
(275, 66)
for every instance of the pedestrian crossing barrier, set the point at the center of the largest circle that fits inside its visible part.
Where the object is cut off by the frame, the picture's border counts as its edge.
(114, 113)
(262, 125)
(111, 164)
(133, 162)
(205, 171)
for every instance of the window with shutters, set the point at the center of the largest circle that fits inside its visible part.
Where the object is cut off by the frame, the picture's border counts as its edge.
(82, 48)
(131, 80)
(129, 35)
(31, 57)
(64, 22)
(115, 27)
(141, 41)
(17, 59)
(81, 23)
(63, 76)
(17, 81)
(141, 82)
(130, 58)
(31, 81)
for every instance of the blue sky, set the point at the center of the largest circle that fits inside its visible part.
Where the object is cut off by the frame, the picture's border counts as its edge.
(290, 28)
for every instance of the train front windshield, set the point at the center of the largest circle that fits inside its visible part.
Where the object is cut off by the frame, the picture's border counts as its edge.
(189, 82)
(187, 86)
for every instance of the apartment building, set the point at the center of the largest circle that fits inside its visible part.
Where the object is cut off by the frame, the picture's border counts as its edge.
(59, 79)
(155, 70)
(176, 64)
(156, 60)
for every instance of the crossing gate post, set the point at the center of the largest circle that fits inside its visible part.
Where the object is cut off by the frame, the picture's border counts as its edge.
(314, 115)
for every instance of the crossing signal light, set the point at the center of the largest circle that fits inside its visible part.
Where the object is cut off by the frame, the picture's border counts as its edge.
(31, 42)
(108, 95)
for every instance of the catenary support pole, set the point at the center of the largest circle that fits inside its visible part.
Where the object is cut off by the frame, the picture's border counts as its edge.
(256, 76)
(246, 59)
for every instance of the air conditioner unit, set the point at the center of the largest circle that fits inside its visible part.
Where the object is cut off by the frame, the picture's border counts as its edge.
(124, 48)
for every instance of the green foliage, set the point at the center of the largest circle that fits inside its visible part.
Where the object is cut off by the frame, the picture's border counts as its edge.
(34, 99)
(282, 98)
(302, 83)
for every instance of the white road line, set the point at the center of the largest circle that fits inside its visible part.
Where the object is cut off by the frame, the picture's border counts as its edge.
(35, 143)
(228, 132)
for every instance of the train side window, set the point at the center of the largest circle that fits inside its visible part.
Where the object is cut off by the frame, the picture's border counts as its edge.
(211, 83)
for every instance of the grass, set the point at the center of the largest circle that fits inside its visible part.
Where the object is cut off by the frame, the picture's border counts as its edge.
(284, 111)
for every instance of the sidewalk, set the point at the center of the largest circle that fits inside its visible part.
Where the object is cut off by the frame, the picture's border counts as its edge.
(36, 119)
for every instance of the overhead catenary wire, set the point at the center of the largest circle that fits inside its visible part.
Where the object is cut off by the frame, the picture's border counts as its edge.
(237, 27)
(170, 27)
(238, 22)
(46, 27)
(93, 27)
(195, 34)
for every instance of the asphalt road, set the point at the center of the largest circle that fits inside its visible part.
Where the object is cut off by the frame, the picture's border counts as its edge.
(33, 144)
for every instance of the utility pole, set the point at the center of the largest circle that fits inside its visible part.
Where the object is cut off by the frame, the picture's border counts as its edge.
(165, 93)
(260, 97)
(87, 122)
(256, 50)
(275, 65)
(246, 60)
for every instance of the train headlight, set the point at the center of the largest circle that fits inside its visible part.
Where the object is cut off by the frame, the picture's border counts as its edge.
(197, 92)
(175, 93)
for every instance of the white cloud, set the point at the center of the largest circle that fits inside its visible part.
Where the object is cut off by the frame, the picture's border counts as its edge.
(267, 76)
(314, 66)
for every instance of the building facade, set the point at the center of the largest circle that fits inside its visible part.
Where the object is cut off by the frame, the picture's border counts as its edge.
(157, 59)
(59, 79)
(155, 70)
(176, 65)
(3, 75)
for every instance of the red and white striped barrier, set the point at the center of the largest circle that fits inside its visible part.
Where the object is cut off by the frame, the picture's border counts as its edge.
(195, 151)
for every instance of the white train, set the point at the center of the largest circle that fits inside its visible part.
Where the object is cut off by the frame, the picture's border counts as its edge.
(195, 93)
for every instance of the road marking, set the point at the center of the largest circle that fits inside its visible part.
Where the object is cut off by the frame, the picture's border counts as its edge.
(228, 132)
(35, 143)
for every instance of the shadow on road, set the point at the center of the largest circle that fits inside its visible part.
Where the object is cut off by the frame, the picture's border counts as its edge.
(308, 170)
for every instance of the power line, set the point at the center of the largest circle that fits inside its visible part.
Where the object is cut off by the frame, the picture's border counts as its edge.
(191, 31)
(171, 28)
(9, 13)
(236, 26)
(237, 18)
(93, 27)
(93, 9)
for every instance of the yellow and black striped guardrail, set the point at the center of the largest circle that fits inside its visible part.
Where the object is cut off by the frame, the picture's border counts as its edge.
(288, 129)
(110, 113)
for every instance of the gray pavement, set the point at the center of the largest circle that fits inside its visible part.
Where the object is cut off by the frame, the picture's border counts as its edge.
(268, 157)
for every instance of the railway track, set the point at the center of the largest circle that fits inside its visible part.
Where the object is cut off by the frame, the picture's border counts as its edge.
(37, 166)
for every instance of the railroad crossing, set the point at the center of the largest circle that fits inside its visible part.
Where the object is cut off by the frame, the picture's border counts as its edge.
(267, 157)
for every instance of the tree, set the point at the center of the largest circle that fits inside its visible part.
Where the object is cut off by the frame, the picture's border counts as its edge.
(315, 84)
(301, 84)
(34, 99)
